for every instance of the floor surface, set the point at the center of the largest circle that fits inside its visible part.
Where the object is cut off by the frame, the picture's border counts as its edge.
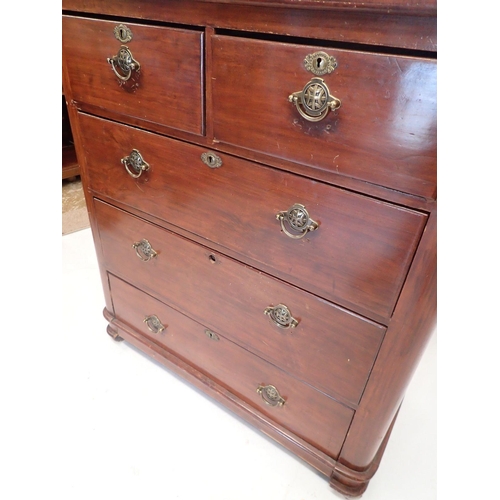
(118, 426)
(74, 210)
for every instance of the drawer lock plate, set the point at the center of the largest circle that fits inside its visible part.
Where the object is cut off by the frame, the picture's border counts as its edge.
(320, 63)
(211, 159)
(122, 33)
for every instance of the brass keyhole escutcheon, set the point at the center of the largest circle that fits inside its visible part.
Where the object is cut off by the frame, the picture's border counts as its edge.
(211, 159)
(122, 33)
(320, 63)
(211, 335)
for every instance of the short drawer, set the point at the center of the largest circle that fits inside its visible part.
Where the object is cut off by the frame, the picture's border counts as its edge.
(329, 348)
(160, 80)
(357, 257)
(309, 414)
(384, 131)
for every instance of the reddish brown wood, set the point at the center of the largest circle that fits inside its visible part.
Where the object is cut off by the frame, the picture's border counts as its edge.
(359, 255)
(422, 5)
(184, 274)
(378, 135)
(351, 482)
(316, 458)
(224, 254)
(70, 167)
(75, 125)
(404, 27)
(170, 69)
(306, 412)
(405, 341)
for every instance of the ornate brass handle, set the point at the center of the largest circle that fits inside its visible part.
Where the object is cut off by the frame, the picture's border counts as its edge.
(144, 250)
(314, 100)
(124, 63)
(270, 395)
(154, 324)
(297, 217)
(281, 316)
(134, 164)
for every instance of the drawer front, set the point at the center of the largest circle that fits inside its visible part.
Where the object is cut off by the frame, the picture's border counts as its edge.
(166, 89)
(384, 131)
(331, 349)
(307, 413)
(358, 256)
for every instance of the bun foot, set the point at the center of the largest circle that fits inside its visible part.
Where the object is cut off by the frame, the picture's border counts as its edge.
(113, 334)
(348, 487)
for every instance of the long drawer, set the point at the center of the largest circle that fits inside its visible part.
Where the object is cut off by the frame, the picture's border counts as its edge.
(156, 76)
(384, 131)
(309, 414)
(358, 256)
(247, 306)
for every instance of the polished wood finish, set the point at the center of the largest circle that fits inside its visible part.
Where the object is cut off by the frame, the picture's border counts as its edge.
(326, 335)
(170, 69)
(362, 285)
(405, 28)
(70, 167)
(306, 412)
(378, 135)
(417, 6)
(362, 269)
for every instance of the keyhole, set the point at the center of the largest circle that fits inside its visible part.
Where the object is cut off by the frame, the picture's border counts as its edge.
(212, 258)
(211, 335)
(319, 63)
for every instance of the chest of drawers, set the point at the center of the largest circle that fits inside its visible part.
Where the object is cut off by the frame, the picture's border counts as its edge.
(261, 183)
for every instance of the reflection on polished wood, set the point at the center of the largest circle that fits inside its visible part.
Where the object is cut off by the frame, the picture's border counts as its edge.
(227, 155)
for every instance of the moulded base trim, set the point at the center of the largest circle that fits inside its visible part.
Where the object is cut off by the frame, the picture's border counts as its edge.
(353, 483)
(343, 479)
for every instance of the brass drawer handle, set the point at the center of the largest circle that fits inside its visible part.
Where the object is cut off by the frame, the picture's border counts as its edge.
(154, 324)
(124, 63)
(314, 100)
(134, 164)
(297, 217)
(270, 395)
(281, 316)
(144, 250)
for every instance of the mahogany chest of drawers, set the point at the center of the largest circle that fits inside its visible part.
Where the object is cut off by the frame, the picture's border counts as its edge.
(261, 183)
